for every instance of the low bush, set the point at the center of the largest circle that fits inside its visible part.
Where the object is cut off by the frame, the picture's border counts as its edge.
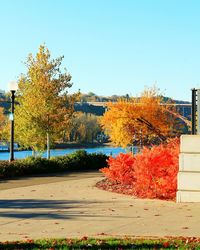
(152, 173)
(77, 161)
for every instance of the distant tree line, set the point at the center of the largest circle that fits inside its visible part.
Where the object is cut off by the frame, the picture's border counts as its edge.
(84, 128)
(88, 108)
(92, 97)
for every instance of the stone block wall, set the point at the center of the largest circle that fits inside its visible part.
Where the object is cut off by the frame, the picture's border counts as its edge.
(189, 169)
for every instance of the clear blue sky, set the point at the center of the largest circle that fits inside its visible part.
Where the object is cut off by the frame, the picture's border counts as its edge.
(110, 46)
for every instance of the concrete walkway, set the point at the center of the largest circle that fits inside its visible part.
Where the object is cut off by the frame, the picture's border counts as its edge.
(71, 206)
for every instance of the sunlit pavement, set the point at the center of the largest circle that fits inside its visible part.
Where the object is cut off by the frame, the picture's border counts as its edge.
(71, 206)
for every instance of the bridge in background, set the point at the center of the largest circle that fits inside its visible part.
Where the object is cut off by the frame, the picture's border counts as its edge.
(98, 108)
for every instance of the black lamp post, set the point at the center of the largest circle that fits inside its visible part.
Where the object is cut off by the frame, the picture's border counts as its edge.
(13, 88)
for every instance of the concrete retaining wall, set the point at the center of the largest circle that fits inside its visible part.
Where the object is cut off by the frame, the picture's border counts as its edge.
(189, 169)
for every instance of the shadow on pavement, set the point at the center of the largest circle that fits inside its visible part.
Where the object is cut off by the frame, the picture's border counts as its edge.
(46, 209)
(37, 203)
(30, 208)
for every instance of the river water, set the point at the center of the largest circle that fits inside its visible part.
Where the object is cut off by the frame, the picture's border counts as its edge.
(58, 152)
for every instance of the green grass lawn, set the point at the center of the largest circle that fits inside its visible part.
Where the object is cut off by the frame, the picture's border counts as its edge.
(105, 243)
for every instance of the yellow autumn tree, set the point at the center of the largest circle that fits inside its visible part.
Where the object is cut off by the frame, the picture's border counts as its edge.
(141, 118)
(45, 107)
(3, 122)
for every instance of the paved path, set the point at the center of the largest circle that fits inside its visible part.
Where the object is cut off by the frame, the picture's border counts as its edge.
(71, 206)
(45, 179)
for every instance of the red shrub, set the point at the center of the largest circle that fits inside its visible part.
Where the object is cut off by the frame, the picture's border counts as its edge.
(156, 171)
(120, 168)
(153, 172)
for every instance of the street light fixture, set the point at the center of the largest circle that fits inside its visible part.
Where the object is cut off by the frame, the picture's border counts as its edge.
(13, 86)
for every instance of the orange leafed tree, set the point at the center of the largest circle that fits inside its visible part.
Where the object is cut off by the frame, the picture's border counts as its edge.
(138, 118)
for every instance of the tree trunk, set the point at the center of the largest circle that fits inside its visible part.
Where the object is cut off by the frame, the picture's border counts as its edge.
(48, 146)
(33, 152)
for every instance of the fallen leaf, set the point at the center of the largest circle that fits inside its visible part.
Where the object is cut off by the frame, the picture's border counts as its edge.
(29, 241)
(102, 234)
(166, 244)
(84, 238)
(111, 209)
